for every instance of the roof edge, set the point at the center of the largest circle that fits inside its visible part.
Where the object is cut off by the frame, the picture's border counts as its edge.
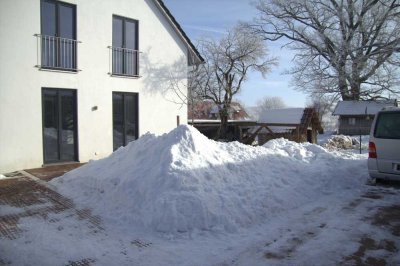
(160, 4)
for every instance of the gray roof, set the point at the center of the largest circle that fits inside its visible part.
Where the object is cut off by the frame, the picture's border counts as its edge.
(362, 107)
(282, 116)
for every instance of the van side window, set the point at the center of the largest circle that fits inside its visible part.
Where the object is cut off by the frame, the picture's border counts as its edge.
(388, 126)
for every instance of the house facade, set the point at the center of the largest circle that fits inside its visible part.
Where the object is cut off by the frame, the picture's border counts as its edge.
(355, 117)
(79, 79)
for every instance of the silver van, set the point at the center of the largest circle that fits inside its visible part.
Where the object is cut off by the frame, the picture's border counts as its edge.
(384, 145)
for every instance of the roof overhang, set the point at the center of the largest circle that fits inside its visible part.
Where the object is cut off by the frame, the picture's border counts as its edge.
(206, 122)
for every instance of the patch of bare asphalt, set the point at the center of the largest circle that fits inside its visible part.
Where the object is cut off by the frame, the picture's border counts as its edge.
(49, 172)
(291, 245)
(366, 244)
(388, 217)
(384, 217)
(36, 200)
(140, 243)
(27, 194)
(372, 195)
(84, 262)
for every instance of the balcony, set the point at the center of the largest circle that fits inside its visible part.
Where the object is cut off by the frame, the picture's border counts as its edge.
(56, 53)
(124, 62)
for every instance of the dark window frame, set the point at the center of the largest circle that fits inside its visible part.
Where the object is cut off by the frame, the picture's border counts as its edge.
(57, 27)
(124, 114)
(76, 139)
(124, 70)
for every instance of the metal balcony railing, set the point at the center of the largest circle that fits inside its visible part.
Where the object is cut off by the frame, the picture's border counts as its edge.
(123, 62)
(56, 53)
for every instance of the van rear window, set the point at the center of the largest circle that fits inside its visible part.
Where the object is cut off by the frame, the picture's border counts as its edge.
(388, 126)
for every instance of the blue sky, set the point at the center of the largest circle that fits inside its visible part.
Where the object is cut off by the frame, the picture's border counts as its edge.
(210, 18)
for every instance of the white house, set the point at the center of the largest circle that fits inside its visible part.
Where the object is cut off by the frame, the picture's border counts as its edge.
(79, 78)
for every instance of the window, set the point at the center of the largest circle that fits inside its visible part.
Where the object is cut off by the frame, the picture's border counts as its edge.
(388, 126)
(58, 35)
(352, 121)
(124, 46)
(59, 125)
(125, 118)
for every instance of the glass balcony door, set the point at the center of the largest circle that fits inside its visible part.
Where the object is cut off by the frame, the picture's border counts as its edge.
(58, 35)
(125, 118)
(59, 125)
(125, 46)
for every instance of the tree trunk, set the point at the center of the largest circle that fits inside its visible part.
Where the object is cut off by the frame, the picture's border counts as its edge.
(223, 127)
(355, 84)
(355, 91)
(344, 91)
(342, 82)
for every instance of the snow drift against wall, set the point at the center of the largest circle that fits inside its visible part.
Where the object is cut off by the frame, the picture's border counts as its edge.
(184, 182)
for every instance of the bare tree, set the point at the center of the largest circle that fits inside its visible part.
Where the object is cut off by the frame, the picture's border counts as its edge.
(228, 62)
(323, 104)
(268, 103)
(348, 48)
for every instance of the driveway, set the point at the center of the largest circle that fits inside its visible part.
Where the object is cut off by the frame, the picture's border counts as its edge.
(33, 214)
(24, 198)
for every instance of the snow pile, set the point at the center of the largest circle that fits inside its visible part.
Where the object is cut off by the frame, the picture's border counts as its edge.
(182, 181)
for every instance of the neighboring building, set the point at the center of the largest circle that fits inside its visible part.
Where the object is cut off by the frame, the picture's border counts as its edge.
(208, 110)
(296, 124)
(237, 129)
(355, 117)
(204, 116)
(78, 77)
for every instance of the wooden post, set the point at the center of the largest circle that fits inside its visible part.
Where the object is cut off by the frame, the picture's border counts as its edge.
(177, 121)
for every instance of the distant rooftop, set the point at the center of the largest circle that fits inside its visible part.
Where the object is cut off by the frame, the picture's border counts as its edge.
(362, 107)
(282, 116)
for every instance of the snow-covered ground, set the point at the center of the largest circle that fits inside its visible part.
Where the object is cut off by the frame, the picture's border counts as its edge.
(182, 199)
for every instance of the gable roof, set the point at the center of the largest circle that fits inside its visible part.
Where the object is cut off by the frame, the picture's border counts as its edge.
(361, 107)
(301, 118)
(282, 116)
(191, 48)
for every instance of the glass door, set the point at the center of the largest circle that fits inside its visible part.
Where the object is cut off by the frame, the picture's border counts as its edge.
(125, 118)
(59, 125)
(58, 29)
(125, 46)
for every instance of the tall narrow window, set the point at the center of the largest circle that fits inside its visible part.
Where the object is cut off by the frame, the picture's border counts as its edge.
(58, 35)
(125, 118)
(59, 125)
(125, 46)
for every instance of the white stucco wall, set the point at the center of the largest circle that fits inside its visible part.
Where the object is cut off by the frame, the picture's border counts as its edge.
(21, 144)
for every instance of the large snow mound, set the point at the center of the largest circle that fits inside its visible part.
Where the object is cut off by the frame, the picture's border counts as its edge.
(182, 181)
